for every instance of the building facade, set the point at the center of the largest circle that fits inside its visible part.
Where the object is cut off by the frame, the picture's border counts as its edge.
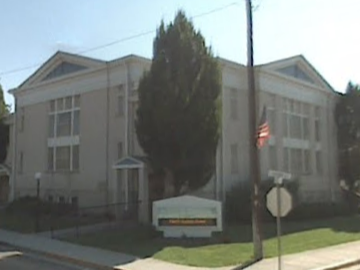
(74, 123)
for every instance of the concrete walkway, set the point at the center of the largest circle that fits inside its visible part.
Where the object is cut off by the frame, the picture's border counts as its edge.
(325, 259)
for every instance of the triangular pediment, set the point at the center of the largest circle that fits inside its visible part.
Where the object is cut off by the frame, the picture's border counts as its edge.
(299, 69)
(61, 65)
(129, 163)
(296, 72)
(62, 69)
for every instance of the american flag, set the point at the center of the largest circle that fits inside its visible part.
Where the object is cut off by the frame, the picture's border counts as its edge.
(263, 132)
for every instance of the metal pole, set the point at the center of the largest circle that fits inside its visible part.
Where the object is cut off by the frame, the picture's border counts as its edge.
(37, 205)
(253, 151)
(278, 221)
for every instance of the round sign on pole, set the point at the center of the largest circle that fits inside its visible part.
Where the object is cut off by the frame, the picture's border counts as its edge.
(286, 202)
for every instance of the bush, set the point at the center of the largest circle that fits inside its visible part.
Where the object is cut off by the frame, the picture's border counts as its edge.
(320, 210)
(29, 205)
(238, 200)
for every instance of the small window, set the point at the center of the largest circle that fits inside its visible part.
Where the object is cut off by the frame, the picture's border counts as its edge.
(52, 106)
(60, 104)
(75, 158)
(234, 158)
(61, 199)
(68, 103)
(77, 101)
(50, 198)
(74, 201)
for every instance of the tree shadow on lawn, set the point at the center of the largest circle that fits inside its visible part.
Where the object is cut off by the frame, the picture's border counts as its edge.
(235, 243)
(145, 241)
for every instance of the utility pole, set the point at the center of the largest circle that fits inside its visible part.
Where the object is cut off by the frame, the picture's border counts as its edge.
(253, 151)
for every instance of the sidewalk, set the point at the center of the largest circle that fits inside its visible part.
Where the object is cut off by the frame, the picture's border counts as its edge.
(325, 258)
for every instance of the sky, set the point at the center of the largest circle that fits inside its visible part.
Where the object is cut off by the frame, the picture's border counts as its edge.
(324, 31)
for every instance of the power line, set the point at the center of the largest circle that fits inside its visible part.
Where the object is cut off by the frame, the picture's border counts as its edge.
(8, 72)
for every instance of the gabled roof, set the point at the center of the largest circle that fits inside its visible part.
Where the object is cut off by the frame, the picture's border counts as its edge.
(130, 162)
(298, 68)
(73, 63)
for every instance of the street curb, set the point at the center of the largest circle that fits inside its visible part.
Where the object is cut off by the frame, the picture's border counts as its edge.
(68, 259)
(336, 266)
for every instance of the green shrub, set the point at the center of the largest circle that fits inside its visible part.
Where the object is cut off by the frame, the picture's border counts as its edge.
(238, 200)
(29, 205)
(306, 211)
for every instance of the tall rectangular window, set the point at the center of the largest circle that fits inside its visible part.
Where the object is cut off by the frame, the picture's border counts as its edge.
(234, 158)
(64, 123)
(319, 167)
(271, 114)
(296, 119)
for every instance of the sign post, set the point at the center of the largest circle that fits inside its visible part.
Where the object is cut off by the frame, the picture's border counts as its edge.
(279, 203)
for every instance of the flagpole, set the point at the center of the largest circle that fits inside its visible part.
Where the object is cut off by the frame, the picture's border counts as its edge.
(253, 150)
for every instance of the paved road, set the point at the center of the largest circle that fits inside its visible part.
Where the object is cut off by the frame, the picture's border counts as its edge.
(13, 260)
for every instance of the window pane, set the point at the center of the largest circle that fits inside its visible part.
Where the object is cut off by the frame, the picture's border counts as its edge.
(76, 123)
(51, 126)
(318, 162)
(121, 105)
(272, 120)
(307, 161)
(63, 124)
(63, 158)
(295, 126)
(285, 125)
(305, 109)
(305, 128)
(68, 103)
(52, 106)
(234, 158)
(286, 160)
(50, 159)
(77, 101)
(272, 157)
(60, 104)
(75, 157)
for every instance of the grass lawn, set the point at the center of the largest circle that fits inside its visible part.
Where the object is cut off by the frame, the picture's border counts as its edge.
(233, 247)
(26, 223)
